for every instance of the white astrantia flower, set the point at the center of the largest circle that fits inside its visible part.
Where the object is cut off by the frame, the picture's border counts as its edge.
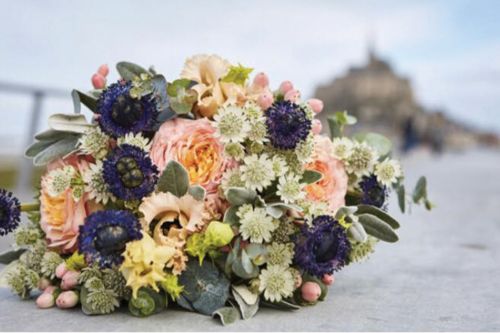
(304, 149)
(255, 224)
(257, 132)
(341, 148)
(290, 189)
(280, 254)
(279, 166)
(361, 160)
(388, 172)
(234, 150)
(94, 142)
(231, 124)
(277, 282)
(59, 180)
(232, 178)
(95, 185)
(311, 209)
(136, 140)
(257, 172)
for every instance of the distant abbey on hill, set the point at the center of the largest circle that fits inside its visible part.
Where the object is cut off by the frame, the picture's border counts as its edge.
(384, 101)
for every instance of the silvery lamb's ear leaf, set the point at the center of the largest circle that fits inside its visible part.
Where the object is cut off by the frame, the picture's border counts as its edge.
(9, 256)
(346, 211)
(38, 147)
(378, 228)
(129, 71)
(174, 179)
(311, 176)
(197, 192)
(357, 232)
(274, 211)
(238, 196)
(81, 98)
(368, 209)
(282, 305)
(248, 302)
(51, 135)
(227, 315)
(377, 141)
(230, 216)
(56, 150)
(75, 123)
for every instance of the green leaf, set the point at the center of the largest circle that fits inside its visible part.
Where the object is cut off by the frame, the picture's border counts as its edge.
(239, 270)
(37, 147)
(368, 209)
(130, 71)
(81, 98)
(247, 301)
(311, 176)
(230, 216)
(237, 74)
(378, 228)
(338, 121)
(377, 141)
(357, 232)
(174, 87)
(160, 93)
(420, 191)
(74, 123)
(174, 179)
(9, 256)
(246, 262)
(51, 135)
(346, 211)
(227, 315)
(197, 192)
(245, 294)
(401, 198)
(56, 150)
(274, 211)
(238, 196)
(282, 305)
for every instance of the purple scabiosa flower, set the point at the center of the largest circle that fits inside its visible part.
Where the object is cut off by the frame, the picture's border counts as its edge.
(287, 124)
(374, 193)
(129, 172)
(121, 114)
(104, 235)
(322, 248)
(10, 212)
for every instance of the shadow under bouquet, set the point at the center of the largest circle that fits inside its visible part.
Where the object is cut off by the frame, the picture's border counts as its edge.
(213, 191)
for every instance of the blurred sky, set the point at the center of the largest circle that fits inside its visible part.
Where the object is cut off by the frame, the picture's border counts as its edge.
(450, 49)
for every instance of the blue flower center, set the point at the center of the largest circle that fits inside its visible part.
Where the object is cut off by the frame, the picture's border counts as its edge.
(326, 249)
(129, 171)
(3, 213)
(111, 239)
(126, 111)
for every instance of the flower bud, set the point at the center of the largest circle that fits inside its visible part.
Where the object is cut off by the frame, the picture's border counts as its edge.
(328, 279)
(310, 291)
(297, 280)
(43, 283)
(98, 81)
(45, 301)
(265, 100)
(67, 299)
(103, 70)
(285, 86)
(261, 80)
(292, 96)
(50, 290)
(69, 280)
(316, 104)
(219, 234)
(61, 270)
(316, 126)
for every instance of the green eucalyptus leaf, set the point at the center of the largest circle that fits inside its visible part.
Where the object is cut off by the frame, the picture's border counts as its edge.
(246, 262)
(227, 315)
(239, 270)
(274, 211)
(420, 191)
(160, 93)
(81, 98)
(230, 216)
(147, 303)
(74, 123)
(368, 209)
(378, 228)
(174, 179)
(129, 71)
(337, 122)
(238, 196)
(56, 150)
(357, 232)
(9, 256)
(377, 141)
(401, 198)
(197, 192)
(311, 176)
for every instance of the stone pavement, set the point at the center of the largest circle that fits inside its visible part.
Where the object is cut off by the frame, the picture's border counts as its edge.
(443, 275)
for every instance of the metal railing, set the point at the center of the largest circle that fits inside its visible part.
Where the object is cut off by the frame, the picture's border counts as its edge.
(37, 95)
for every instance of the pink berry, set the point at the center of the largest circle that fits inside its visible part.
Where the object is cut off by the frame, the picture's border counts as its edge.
(67, 299)
(45, 301)
(316, 104)
(311, 291)
(103, 70)
(265, 100)
(43, 283)
(49, 290)
(285, 87)
(261, 80)
(98, 81)
(292, 96)
(316, 126)
(61, 270)
(69, 280)
(328, 279)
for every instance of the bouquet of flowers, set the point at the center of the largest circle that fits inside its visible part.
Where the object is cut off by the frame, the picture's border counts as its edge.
(212, 191)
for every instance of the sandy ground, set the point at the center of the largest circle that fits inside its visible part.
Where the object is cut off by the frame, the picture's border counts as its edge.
(443, 274)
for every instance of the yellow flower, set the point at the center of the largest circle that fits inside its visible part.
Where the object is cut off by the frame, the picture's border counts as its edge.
(144, 263)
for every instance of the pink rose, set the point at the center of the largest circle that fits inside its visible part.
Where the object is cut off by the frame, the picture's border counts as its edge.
(332, 188)
(61, 215)
(193, 144)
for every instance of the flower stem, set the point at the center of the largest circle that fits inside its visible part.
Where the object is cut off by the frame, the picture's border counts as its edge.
(30, 207)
